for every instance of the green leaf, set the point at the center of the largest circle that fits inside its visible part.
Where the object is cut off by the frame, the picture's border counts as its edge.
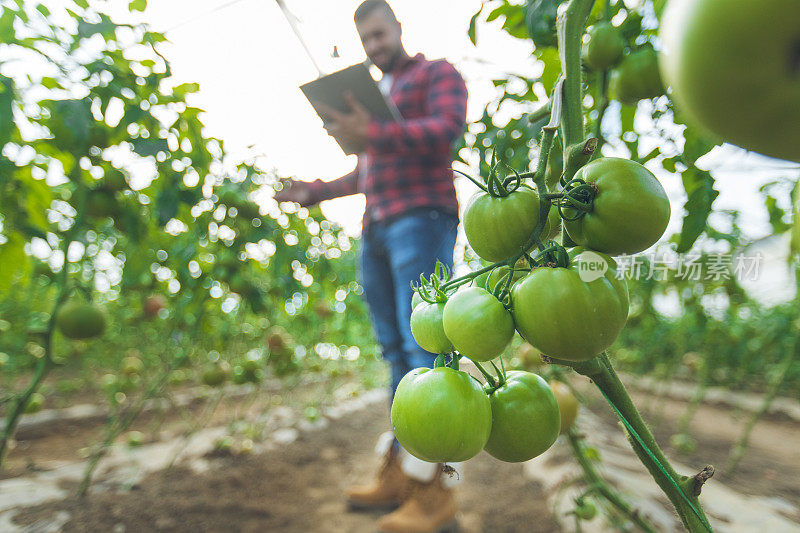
(82, 3)
(50, 83)
(185, 88)
(148, 147)
(167, 205)
(497, 12)
(70, 122)
(552, 68)
(154, 37)
(38, 197)
(776, 215)
(658, 7)
(515, 23)
(471, 32)
(627, 114)
(669, 163)
(15, 265)
(696, 146)
(699, 187)
(794, 242)
(7, 125)
(653, 153)
(105, 27)
(540, 17)
(7, 34)
(137, 5)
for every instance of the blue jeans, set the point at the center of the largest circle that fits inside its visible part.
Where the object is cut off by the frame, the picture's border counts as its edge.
(393, 255)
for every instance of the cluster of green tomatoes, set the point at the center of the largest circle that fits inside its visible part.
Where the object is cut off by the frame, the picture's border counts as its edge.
(532, 285)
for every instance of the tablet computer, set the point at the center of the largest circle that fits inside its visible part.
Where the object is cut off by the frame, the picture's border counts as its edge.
(331, 88)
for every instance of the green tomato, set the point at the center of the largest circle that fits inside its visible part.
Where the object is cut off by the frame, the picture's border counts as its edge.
(631, 27)
(497, 228)
(734, 70)
(135, 439)
(415, 300)
(477, 323)
(80, 320)
(35, 403)
(441, 415)
(480, 279)
(217, 374)
(529, 357)
(604, 47)
(586, 510)
(525, 418)
(566, 317)
(629, 213)
(252, 362)
(637, 77)
(427, 328)
(567, 404)
(131, 365)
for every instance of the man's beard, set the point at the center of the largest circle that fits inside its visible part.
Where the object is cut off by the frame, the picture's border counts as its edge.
(391, 63)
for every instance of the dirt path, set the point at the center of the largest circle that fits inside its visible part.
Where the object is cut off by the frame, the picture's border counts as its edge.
(293, 479)
(294, 487)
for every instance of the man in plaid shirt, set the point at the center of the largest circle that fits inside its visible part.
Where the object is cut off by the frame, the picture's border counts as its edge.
(405, 172)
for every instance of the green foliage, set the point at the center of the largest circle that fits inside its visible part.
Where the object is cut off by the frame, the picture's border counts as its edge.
(115, 166)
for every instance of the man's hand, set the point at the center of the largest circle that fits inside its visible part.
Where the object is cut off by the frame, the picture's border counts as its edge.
(347, 128)
(294, 191)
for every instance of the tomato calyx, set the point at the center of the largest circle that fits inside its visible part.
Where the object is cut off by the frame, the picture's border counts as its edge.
(435, 288)
(584, 508)
(577, 200)
(553, 255)
(442, 361)
(495, 186)
(492, 385)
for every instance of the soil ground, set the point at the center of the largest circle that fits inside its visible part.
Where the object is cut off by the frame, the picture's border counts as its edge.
(298, 486)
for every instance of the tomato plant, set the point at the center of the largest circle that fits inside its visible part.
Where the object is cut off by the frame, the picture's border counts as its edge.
(441, 415)
(525, 418)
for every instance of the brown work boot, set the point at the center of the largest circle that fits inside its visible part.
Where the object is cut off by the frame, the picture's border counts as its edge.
(386, 491)
(428, 508)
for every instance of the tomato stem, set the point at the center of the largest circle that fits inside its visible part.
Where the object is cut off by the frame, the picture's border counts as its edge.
(599, 486)
(679, 489)
(489, 378)
(46, 363)
(478, 184)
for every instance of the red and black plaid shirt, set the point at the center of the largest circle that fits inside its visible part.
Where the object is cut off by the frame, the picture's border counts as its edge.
(408, 164)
